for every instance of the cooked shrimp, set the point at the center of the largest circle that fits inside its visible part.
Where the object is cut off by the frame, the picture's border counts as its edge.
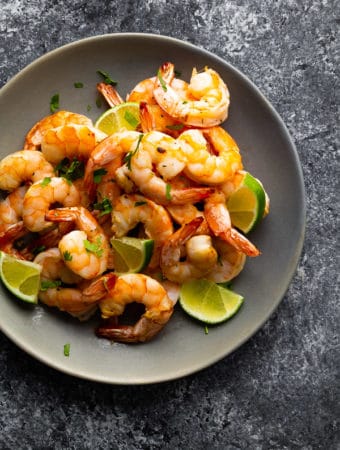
(11, 208)
(9, 238)
(85, 250)
(42, 195)
(21, 167)
(200, 254)
(130, 210)
(204, 103)
(204, 166)
(54, 276)
(154, 187)
(115, 146)
(229, 264)
(133, 288)
(70, 141)
(60, 118)
(218, 218)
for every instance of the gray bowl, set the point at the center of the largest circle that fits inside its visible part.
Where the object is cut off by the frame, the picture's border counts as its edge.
(268, 153)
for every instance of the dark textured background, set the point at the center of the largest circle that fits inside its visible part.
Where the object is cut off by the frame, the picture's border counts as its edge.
(279, 390)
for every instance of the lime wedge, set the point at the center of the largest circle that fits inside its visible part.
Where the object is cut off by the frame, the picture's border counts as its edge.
(209, 302)
(247, 204)
(119, 118)
(22, 278)
(131, 255)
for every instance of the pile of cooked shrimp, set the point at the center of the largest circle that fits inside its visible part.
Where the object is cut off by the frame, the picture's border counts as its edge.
(72, 188)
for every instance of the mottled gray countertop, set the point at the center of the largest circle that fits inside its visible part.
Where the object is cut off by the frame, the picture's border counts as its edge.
(279, 390)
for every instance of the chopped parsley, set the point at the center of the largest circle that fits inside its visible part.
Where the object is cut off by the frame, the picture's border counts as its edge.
(54, 103)
(67, 348)
(78, 85)
(168, 191)
(161, 80)
(206, 329)
(71, 170)
(98, 174)
(105, 207)
(67, 256)
(106, 77)
(94, 247)
(129, 155)
(49, 284)
(131, 119)
(46, 181)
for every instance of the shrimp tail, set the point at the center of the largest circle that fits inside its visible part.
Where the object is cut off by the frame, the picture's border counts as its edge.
(189, 195)
(110, 94)
(144, 330)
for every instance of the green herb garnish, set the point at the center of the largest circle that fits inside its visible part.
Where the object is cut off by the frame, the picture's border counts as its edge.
(168, 191)
(106, 77)
(177, 73)
(140, 203)
(206, 329)
(45, 181)
(78, 85)
(161, 80)
(71, 170)
(98, 174)
(67, 349)
(105, 207)
(67, 256)
(38, 250)
(54, 103)
(129, 155)
(88, 108)
(131, 119)
(49, 284)
(94, 247)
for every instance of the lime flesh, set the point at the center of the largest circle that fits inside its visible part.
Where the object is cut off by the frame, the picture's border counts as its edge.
(131, 255)
(121, 117)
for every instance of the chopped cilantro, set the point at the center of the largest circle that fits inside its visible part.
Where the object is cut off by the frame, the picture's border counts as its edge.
(177, 74)
(67, 349)
(105, 207)
(71, 170)
(54, 103)
(49, 284)
(106, 77)
(78, 85)
(131, 119)
(88, 108)
(129, 155)
(168, 191)
(98, 174)
(67, 256)
(206, 329)
(161, 80)
(46, 181)
(94, 247)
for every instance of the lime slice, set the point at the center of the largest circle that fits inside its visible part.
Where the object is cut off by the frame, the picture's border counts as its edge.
(121, 117)
(209, 302)
(246, 205)
(22, 278)
(131, 254)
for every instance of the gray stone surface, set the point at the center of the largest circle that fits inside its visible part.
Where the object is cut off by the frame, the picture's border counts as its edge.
(279, 390)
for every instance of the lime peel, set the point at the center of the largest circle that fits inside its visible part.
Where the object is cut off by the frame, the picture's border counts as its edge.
(21, 278)
(247, 203)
